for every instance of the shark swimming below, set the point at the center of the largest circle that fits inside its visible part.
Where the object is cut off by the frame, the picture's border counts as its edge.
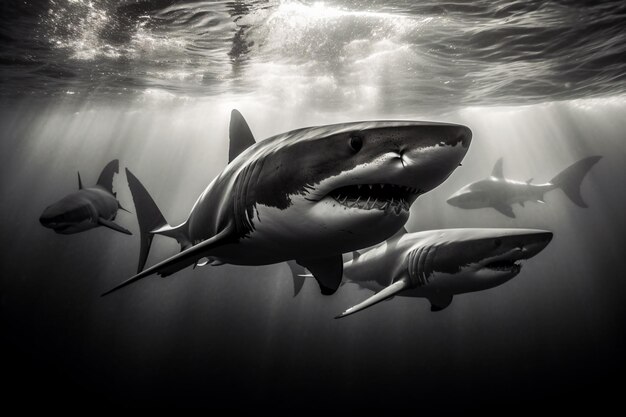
(307, 195)
(439, 264)
(86, 208)
(500, 193)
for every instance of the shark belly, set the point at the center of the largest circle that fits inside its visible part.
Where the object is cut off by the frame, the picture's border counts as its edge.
(301, 232)
(460, 283)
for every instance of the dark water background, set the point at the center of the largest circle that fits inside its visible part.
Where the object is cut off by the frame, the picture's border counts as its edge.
(153, 82)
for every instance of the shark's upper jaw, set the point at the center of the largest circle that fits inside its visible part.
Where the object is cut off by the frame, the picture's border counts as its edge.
(505, 264)
(464, 198)
(394, 168)
(391, 198)
(66, 214)
(485, 255)
(510, 262)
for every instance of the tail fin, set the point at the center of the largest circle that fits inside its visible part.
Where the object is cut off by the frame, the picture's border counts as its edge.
(570, 178)
(150, 219)
(105, 180)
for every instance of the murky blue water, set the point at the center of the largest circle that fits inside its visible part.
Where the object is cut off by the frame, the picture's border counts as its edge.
(152, 83)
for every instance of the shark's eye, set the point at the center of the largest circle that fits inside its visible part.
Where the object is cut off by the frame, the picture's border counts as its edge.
(356, 143)
(497, 243)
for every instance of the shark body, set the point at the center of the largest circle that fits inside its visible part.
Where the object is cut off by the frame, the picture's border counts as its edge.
(87, 208)
(439, 264)
(310, 194)
(501, 193)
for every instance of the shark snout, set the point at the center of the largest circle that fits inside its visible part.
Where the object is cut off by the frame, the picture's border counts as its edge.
(420, 156)
(534, 243)
(48, 217)
(467, 200)
(454, 200)
(463, 137)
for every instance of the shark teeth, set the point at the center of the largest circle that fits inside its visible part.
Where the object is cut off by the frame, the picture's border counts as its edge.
(504, 265)
(390, 198)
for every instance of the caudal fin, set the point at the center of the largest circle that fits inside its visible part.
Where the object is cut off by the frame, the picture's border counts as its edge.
(570, 178)
(148, 215)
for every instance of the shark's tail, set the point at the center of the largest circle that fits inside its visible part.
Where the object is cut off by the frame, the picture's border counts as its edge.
(570, 178)
(151, 221)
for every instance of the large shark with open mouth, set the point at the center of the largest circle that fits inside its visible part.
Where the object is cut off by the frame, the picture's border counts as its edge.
(309, 194)
(87, 208)
(438, 264)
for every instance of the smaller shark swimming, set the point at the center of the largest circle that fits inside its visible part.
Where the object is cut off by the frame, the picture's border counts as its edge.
(500, 193)
(86, 208)
(437, 264)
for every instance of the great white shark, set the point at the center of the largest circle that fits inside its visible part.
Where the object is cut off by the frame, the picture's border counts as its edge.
(307, 195)
(500, 193)
(438, 264)
(86, 208)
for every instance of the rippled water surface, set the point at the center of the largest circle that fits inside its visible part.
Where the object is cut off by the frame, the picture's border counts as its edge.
(392, 54)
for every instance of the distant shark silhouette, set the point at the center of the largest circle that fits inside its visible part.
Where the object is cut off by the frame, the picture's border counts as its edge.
(86, 208)
(438, 264)
(310, 195)
(500, 193)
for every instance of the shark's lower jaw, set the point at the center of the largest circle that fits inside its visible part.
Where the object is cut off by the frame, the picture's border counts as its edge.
(505, 265)
(384, 197)
(57, 226)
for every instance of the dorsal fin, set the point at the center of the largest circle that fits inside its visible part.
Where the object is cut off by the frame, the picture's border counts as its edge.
(80, 182)
(355, 255)
(241, 137)
(497, 169)
(105, 180)
(529, 180)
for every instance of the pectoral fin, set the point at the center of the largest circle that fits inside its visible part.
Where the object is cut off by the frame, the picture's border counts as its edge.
(119, 206)
(327, 272)
(382, 295)
(112, 225)
(297, 273)
(506, 210)
(439, 301)
(181, 260)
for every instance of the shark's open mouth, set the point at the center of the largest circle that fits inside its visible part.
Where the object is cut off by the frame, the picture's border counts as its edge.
(505, 265)
(395, 198)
